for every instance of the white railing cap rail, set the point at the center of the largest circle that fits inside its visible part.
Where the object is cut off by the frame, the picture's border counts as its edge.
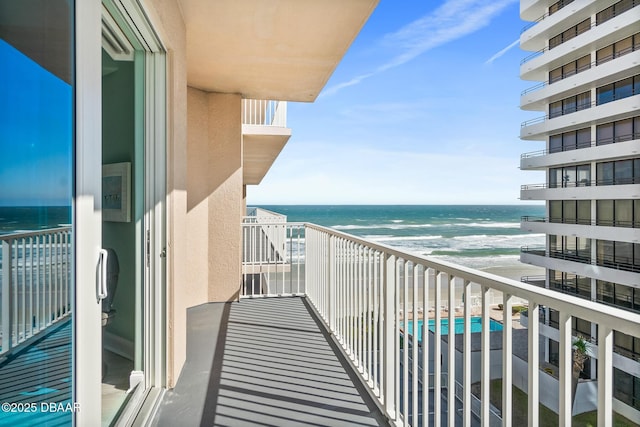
(23, 234)
(624, 321)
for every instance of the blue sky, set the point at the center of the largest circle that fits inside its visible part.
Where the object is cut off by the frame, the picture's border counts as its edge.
(423, 109)
(36, 136)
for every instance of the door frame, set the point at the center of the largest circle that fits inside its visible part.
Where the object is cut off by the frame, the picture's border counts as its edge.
(87, 217)
(87, 331)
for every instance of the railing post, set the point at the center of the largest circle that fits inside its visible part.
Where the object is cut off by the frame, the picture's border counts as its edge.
(332, 280)
(507, 360)
(485, 359)
(605, 375)
(7, 296)
(534, 364)
(389, 331)
(565, 365)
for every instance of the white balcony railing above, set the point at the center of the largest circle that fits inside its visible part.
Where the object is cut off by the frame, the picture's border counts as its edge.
(263, 112)
(369, 295)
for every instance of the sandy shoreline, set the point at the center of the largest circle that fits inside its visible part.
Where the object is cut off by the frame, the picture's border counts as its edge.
(515, 272)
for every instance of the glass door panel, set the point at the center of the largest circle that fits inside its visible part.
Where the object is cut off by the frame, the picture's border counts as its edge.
(36, 214)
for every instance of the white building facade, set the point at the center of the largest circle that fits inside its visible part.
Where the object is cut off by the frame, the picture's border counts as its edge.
(585, 58)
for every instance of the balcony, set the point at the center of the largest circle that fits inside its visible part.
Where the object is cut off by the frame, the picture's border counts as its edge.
(280, 49)
(622, 231)
(581, 264)
(583, 190)
(579, 80)
(610, 149)
(264, 135)
(351, 328)
(537, 65)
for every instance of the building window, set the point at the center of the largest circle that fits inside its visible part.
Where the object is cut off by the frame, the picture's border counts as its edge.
(558, 5)
(570, 140)
(570, 211)
(618, 90)
(570, 33)
(570, 248)
(618, 213)
(626, 388)
(618, 173)
(618, 49)
(619, 255)
(615, 10)
(619, 295)
(569, 283)
(570, 176)
(568, 70)
(619, 131)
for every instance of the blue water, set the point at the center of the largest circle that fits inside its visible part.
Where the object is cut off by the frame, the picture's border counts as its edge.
(476, 326)
(474, 236)
(31, 218)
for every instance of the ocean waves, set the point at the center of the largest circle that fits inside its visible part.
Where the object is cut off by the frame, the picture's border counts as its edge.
(473, 236)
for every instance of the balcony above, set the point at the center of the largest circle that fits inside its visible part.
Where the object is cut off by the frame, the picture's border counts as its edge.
(264, 135)
(539, 128)
(589, 229)
(537, 65)
(597, 75)
(574, 266)
(279, 49)
(535, 37)
(584, 191)
(540, 160)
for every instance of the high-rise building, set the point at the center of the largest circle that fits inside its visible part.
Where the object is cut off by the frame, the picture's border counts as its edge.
(585, 61)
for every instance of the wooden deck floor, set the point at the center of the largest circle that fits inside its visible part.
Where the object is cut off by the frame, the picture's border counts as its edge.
(264, 362)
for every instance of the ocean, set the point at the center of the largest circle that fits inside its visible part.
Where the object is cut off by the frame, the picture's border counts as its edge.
(484, 237)
(30, 218)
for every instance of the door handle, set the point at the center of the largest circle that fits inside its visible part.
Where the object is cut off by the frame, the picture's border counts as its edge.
(101, 282)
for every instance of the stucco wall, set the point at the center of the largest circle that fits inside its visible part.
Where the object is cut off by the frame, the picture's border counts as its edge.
(214, 193)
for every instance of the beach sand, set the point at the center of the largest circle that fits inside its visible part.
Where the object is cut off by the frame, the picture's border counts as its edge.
(516, 271)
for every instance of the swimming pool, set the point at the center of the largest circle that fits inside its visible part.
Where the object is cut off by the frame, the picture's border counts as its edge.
(476, 326)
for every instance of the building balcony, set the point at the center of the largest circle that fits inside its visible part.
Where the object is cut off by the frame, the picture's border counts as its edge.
(622, 231)
(282, 49)
(537, 65)
(536, 34)
(540, 127)
(349, 348)
(264, 135)
(623, 147)
(581, 265)
(537, 97)
(588, 190)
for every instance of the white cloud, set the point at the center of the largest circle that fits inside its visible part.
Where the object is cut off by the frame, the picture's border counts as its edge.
(451, 21)
(502, 52)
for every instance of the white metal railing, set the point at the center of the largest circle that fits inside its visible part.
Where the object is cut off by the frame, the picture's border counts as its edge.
(272, 257)
(366, 292)
(35, 282)
(260, 215)
(264, 112)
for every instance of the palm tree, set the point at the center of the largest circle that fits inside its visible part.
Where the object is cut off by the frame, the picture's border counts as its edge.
(580, 355)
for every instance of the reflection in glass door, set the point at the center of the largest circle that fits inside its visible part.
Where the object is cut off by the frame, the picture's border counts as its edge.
(36, 190)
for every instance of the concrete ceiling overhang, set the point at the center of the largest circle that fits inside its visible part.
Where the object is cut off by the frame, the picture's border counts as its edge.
(269, 49)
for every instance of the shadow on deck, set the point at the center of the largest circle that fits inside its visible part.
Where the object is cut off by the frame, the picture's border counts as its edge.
(264, 362)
